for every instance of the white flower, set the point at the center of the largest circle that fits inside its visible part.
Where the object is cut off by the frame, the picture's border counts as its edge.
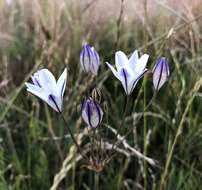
(129, 71)
(46, 88)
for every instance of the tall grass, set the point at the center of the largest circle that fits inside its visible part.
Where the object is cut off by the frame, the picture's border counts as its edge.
(36, 151)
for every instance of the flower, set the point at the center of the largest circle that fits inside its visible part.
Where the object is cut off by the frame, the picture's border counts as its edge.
(46, 88)
(89, 59)
(129, 71)
(91, 112)
(160, 73)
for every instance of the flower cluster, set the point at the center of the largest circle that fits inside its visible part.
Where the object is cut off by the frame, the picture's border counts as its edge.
(127, 70)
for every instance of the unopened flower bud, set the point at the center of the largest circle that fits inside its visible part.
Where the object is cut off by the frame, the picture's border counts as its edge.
(160, 73)
(89, 59)
(91, 112)
(96, 94)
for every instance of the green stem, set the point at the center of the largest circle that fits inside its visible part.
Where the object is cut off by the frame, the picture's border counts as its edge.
(73, 138)
(145, 136)
(123, 119)
(70, 132)
(96, 180)
(145, 97)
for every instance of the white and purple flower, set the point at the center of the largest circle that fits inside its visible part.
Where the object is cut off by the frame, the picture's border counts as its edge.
(160, 72)
(46, 88)
(89, 59)
(91, 112)
(129, 71)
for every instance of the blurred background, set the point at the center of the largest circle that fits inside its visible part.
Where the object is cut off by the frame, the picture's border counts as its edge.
(36, 151)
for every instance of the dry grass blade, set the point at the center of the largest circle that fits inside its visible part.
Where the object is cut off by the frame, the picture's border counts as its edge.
(133, 151)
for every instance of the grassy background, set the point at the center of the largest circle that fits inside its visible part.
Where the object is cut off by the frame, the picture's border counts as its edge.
(35, 149)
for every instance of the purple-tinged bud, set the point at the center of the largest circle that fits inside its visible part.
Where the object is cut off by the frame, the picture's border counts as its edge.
(91, 112)
(89, 59)
(160, 72)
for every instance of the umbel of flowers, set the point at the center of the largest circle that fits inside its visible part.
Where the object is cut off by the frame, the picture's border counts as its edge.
(127, 70)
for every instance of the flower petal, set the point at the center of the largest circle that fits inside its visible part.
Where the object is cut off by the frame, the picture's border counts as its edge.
(121, 60)
(61, 83)
(125, 78)
(55, 102)
(35, 79)
(134, 82)
(116, 74)
(37, 91)
(96, 115)
(133, 60)
(47, 81)
(141, 64)
(85, 115)
(95, 61)
(85, 58)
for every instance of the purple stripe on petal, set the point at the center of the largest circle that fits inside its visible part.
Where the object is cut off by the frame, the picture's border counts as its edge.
(161, 65)
(82, 105)
(89, 114)
(125, 75)
(138, 78)
(62, 89)
(89, 53)
(52, 98)
(35, 81)
(98, 111)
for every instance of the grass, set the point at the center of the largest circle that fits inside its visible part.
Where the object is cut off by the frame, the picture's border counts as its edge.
(36, 151)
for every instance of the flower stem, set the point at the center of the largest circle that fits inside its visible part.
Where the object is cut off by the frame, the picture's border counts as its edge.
(69, 130)
(145, 98)
(145, 136)
(118, 129)
(96, 180)
(123, 119)
(73, 138)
